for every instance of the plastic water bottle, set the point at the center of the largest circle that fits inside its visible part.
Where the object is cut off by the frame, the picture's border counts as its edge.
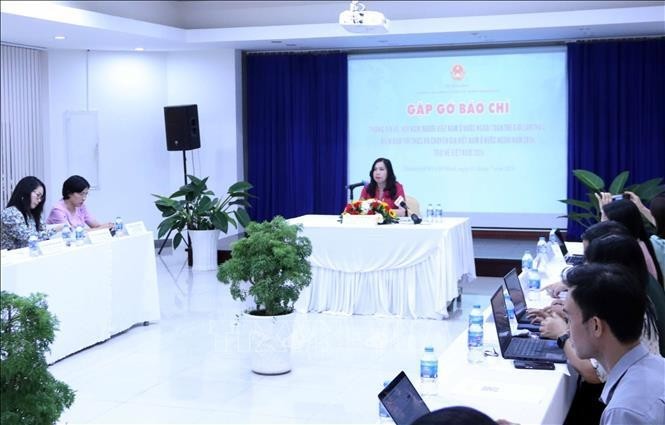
(510, 308)
(79, 234)
(384, 416)
(534, 284)
(439, 213)
(32, 246)
(429, 372)
(475, 339)
(527, 260)
(67, 234)
(541, 256)
(119, 227)
(430, 213)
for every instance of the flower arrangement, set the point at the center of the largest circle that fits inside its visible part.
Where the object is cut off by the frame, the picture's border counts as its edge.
(371, 207)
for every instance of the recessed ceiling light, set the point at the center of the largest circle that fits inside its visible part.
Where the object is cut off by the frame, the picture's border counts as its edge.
(59, 37)
(139, 49)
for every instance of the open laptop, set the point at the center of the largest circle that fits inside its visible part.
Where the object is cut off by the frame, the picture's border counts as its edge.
(516, 293)
(402, 401)
(572, 259)
(521, 348)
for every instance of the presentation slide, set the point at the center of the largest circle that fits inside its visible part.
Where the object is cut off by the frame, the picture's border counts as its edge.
(481, 132)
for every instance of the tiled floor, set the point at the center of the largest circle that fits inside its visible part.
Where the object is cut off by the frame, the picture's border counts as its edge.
(192, 367)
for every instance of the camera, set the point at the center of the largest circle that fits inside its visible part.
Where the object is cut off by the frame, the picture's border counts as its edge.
(620, 196)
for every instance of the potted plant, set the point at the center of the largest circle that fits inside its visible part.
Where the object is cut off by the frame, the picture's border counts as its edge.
(194, 207)
(30, 394)
(271, 266)
(590, 211)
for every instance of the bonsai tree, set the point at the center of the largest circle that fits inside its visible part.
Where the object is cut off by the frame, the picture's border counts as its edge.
(273, 259)
(195, 207)
(29, 394)
(590, 214)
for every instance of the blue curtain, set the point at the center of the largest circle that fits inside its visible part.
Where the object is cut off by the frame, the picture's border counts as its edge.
(616, 112)
(296, 133)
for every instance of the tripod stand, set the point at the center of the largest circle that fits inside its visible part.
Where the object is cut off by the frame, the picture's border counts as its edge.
(184, 172)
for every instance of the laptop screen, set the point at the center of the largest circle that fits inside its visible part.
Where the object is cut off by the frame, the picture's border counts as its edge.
(516, 293)
(501, 320)
(562, 244)
(402, 401)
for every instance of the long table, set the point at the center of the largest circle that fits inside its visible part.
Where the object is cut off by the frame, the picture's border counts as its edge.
(400, 269)
(95, 290)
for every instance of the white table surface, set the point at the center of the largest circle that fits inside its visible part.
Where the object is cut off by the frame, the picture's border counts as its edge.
(399, 269)
(94, 290)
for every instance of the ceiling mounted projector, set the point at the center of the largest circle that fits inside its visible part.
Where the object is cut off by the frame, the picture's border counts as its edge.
(358, 20)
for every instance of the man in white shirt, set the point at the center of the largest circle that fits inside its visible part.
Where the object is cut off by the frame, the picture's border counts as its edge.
(605, 310)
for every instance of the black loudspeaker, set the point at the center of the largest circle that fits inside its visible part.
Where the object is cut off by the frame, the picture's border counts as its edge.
(182, 127)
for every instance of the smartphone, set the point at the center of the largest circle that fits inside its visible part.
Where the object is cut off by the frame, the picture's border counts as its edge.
(620, 196)
(533, 364)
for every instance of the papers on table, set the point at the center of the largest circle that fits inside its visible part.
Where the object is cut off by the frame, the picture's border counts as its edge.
(135, 228)
(52, 246)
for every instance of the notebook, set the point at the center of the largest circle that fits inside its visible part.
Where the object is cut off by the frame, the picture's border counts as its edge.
(516, 293)
(402, 401)
(572, 259)
(521, 348)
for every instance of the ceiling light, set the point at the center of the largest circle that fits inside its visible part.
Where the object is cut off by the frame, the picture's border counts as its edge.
(59, 37)
(139, 49)
(357, 19)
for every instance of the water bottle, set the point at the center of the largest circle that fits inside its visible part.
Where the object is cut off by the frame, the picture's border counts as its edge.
(429, 372)
(119, 227)
(534, 284)
(79, 234)
(384, 416)
(510, 308)
(475, 339)
(67, 234)
(430, 213)
(527, 260)
(541, 256)
(32, 246)
(439, 213)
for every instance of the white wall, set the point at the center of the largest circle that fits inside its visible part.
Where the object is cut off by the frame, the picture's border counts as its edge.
(130, 90)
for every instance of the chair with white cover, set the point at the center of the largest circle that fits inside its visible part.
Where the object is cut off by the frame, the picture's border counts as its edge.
(413, 204)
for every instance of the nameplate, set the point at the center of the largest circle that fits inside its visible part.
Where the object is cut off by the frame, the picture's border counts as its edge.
(13, 255)
(135, 228)
(99, 236)
(52, 246)
(360, 220)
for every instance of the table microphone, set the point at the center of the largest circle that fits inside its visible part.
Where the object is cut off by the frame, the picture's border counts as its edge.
(414, 217)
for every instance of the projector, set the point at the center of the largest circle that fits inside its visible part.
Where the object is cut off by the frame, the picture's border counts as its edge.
(359, 20)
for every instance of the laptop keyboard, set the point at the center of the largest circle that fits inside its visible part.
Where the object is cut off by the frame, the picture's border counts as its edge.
(525, 347)
(575, 260)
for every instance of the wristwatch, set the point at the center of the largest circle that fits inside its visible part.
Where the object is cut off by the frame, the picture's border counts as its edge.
(561, 341)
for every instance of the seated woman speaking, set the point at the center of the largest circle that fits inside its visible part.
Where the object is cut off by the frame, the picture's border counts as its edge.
(383, 185)
(70, 208)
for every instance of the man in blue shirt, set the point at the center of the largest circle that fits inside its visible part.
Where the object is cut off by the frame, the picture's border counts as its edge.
(605, 311)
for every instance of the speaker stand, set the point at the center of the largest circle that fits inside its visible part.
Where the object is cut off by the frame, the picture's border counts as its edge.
(184, 172)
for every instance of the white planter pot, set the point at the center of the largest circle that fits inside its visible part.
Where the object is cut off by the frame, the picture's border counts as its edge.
(204, 249)
(269, 342)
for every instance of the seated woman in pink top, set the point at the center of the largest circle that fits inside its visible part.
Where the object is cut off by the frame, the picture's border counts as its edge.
(384, 185)
(70, 208)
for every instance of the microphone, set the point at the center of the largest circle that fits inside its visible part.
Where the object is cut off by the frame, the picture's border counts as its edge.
(355, 185)
(414, 217)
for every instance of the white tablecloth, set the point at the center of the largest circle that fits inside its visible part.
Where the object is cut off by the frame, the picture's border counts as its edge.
(499, 390)
(95, 291)
(399, 269)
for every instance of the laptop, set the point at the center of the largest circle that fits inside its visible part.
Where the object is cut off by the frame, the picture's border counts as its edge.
(521, 348)
(572, 259)
(402, 401)
(516, 293)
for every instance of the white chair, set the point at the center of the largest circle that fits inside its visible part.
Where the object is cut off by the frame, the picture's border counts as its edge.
(413, 204)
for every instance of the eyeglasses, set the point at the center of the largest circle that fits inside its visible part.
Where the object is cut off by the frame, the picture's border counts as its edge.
(38, 195)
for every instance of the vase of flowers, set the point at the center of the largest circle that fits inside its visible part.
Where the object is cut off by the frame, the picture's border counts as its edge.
(373, 208)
